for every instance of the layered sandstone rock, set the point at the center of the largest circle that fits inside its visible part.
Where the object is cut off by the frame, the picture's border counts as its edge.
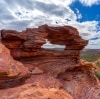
(60, 70)
(26, 47)
(10, 69)
(34, 38)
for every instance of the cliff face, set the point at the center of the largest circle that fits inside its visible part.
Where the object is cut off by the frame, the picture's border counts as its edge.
(50, 68)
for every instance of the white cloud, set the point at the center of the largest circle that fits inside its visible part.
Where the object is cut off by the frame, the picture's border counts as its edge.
(94, 44)
(89, 2)
(88, 30)
(38, 13)
(21, 14)
(79, 16)
(57, 2)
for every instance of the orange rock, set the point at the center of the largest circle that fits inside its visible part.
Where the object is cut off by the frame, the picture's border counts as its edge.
(10, 68)
(30, 91)
(36, 70)
(44, 93)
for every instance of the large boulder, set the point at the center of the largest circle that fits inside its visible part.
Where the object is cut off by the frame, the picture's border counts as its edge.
(10, 69)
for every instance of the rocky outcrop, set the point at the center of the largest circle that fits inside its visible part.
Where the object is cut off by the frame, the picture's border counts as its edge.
(34, 38)
(26, 47)
(52, 73)
(10, 70)
(81, 83)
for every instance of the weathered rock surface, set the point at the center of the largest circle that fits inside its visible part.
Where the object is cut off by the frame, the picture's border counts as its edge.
(81, 83)
(31, 91)
(53, 74)
(10, 69)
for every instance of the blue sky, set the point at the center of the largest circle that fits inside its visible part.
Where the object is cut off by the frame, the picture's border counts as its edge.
(81, 14)
(89, 13)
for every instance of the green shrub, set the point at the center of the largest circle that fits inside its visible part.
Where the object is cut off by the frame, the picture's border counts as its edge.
(90, 57)
(98, 63)
(97, 73)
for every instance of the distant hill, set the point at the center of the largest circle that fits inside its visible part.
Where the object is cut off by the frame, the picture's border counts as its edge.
(90, 51)
(90, 54)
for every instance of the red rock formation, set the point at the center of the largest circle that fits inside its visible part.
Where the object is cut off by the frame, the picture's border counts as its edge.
(27, 45)
(58, 69)
(10, 69)
(81, 83)
(34, 38)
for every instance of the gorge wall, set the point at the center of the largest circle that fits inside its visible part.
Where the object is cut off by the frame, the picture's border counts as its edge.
(47, 68)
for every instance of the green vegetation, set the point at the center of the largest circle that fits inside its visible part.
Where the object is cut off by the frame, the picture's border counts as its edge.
(97, 73)
(98, 64)
(90, 57)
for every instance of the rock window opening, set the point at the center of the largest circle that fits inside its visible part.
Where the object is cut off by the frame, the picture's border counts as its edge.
(51, 46)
